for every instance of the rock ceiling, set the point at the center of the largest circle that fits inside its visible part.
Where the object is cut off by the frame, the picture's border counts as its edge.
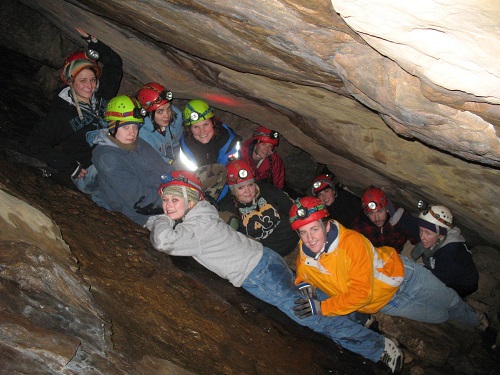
(403, 95)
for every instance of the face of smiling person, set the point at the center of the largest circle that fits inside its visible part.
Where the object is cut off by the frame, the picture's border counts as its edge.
(327, 196)
(127, 134)
(85, 85)
(203, 131)
(313, 235)
(245, 192)
(163, 115)
(428, 237)
(262, 150)
(173, 206)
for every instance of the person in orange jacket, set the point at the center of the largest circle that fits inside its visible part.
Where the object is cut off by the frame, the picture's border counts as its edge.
(356, 276)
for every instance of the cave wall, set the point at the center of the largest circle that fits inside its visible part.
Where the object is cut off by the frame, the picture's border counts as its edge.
(401, 97)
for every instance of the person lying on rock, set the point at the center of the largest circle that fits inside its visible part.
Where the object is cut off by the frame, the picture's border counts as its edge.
(444, 251)
(129, 169)
(191, 226)
(356, 276)
(382, 223)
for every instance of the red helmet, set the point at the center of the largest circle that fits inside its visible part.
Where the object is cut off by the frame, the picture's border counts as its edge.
(75, 63)
(321, 182)
(306, 210)
(153, 95)
(181, 178)
(238, 171)
(263, 134)
(373, 199)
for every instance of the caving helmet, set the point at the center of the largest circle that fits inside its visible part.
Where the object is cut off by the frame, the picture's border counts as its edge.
(373, 199)
(181, 178)
(306, 210)
(239, 171)
(322, 182)
(263, 134)
(197, 110)
(75, 63)
(153, 95)
(123, 110)
(437, 218)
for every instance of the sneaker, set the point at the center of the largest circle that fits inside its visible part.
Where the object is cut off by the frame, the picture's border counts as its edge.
(482, 321)
(392, 357)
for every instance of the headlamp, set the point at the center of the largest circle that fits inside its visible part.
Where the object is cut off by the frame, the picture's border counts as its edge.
(317, 184)
(372, 205)
(92, 54)
(194, 116)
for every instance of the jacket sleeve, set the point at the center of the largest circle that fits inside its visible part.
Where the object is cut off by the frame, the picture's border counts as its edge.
(112, 70)
(358, 283)
(48, 133)
(278, 171)
(181, 240)
(122, 188)
(410, 224)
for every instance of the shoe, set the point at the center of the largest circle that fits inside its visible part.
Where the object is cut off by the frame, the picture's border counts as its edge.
(392, 357)
(482, 321)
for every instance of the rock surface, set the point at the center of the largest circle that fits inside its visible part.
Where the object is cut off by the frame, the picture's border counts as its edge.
(82, 291)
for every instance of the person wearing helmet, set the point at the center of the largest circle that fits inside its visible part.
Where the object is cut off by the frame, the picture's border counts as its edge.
(206, 139)
(163, 126)
(190, 226)
(262, 209)
(129, 169)
(260, 152)
(64, 139)
(342, 205)
(357, 276)
(382, 223)
(444, 251)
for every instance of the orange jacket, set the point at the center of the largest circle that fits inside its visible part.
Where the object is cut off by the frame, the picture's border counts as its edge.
(356, 275)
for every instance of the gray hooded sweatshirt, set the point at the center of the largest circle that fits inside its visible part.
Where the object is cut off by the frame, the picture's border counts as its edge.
(210, 241)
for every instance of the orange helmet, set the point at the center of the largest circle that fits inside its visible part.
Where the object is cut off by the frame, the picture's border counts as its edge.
(153, 95)
(306, 210)
(238, 171)
(75, 63)
(373, 199)
(266, 135)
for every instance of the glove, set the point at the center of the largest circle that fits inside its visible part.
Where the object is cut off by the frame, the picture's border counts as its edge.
(305, 307)
(307, 290)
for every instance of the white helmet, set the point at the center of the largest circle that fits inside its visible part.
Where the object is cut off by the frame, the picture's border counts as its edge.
(438, 215)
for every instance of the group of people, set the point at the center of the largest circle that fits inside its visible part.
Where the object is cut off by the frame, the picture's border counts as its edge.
(139, 155)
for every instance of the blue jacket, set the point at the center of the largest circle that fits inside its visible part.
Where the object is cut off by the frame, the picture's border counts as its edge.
(167, 145)
(129, 179)
(217, 151)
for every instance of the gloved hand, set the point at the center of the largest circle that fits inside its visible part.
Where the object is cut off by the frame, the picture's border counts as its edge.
(305, 307)
(307, 290)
